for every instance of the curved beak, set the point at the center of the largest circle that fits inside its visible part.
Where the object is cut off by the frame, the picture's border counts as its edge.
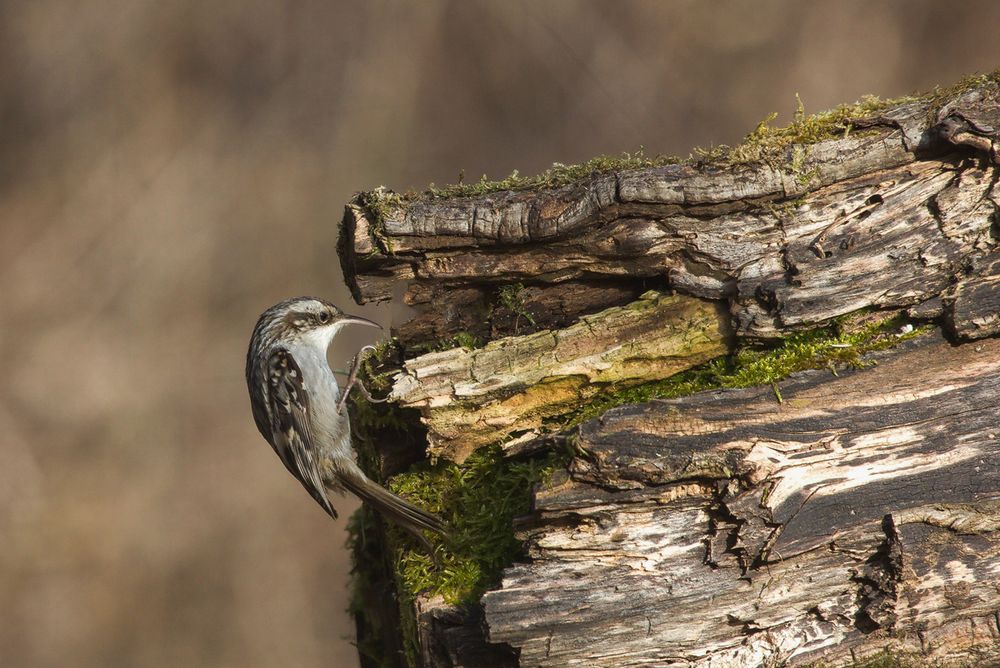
(357, 320)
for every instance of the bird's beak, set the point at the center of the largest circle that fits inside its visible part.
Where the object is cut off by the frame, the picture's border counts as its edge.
(357, 320)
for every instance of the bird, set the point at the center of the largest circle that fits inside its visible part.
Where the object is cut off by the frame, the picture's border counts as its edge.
(297, 405)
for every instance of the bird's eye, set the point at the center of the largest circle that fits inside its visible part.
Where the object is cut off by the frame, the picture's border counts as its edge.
(324, 317)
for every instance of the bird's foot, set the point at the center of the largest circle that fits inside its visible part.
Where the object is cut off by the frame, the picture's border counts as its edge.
(353, 381)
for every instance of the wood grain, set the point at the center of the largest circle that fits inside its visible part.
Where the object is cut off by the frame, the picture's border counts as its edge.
(505, 391)
(892, 215)
(722, 529)
(725, 528)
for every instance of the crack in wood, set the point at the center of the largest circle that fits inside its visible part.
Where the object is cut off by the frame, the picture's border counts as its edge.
(672, 561)
(725, 528)
(712, 218)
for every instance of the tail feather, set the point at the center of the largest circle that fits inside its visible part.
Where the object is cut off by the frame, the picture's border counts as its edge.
(405, 514)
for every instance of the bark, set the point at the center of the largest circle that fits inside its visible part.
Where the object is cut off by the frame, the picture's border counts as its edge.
(823, 519)
(893, 215)
(505, 391)
(727, 527)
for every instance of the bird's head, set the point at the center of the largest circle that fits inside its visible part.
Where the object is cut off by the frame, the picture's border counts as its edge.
(305, 320)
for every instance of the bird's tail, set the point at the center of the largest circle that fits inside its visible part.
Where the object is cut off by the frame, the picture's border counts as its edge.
(391, 506)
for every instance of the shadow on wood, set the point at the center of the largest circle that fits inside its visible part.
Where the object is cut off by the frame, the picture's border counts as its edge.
(833, 515)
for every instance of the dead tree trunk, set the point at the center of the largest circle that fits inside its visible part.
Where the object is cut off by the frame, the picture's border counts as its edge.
(826, 516)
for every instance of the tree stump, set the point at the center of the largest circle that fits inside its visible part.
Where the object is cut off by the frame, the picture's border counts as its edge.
(749, 398)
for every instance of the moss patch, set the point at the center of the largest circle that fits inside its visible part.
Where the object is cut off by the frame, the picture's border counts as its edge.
(764, 143)
(478, 499)
(465, 340)
(381, 604)
(771, 144)
(556, 175)
(377, 204)
(372, 601)
(511, 297)
(888, 659)
(842, 344)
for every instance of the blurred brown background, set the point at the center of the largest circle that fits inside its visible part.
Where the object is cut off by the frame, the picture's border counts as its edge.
(169, 169)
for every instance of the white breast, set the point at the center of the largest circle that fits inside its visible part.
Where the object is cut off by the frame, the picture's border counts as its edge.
(331, 430)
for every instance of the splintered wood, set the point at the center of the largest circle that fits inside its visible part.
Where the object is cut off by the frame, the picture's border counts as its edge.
(505, 391)
(726, 529)
(870, 219)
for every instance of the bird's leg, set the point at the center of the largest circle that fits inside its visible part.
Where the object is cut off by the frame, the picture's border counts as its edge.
(352, 381)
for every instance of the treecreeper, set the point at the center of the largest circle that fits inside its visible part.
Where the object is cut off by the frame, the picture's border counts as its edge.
(299, 407)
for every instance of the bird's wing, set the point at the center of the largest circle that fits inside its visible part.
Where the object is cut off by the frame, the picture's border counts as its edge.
(291, 432)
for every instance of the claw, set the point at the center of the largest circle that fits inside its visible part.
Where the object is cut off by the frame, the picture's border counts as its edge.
(352, 381)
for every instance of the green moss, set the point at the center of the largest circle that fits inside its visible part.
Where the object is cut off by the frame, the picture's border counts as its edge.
(764, 143)
(461, 340)
(511, 297)
(944, 94)
(786, 146)
(374, 545)
(842, 344)
(771, 144)
(798, 166)
(889, 659)
(556, 175)
(377, 204)
(363, 541)
(466, 340)
(383, 609)
(478, 499)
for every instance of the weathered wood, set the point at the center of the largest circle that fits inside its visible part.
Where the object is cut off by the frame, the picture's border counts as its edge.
(480, 312)
(889, 216)
(471, 398)
(453, 636)
(726, 529)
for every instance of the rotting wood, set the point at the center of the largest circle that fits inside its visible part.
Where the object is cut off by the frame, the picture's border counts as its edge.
(453, 636)
(726, 529)
(480, 312)
(471, 398)
(894, 214)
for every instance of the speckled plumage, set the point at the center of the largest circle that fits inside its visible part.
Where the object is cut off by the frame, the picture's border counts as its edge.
(294, 396)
